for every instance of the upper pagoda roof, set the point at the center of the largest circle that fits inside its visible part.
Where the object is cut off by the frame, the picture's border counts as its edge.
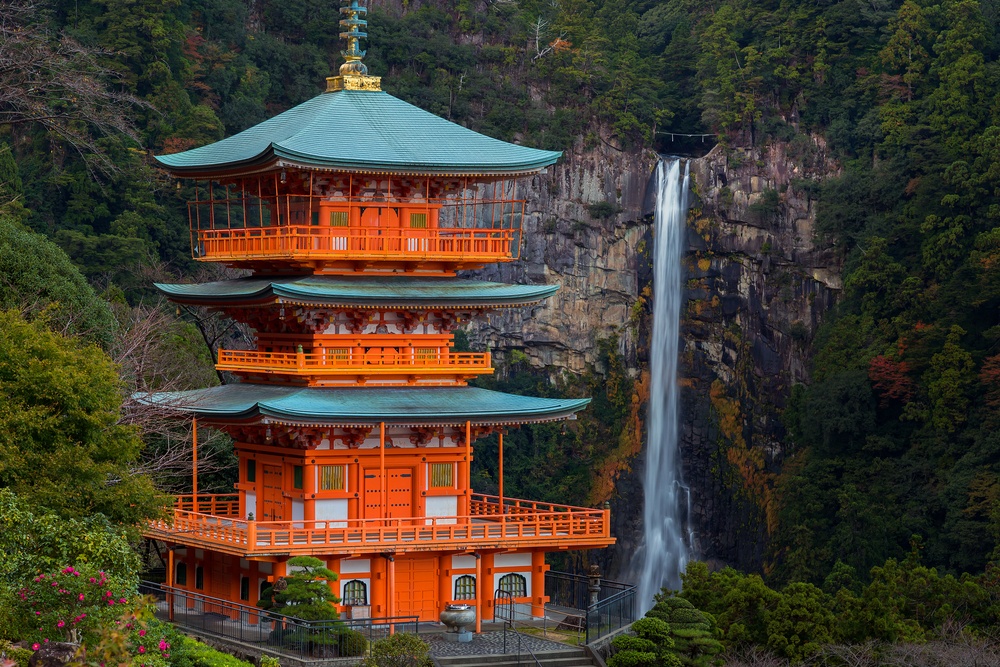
(387, 291)
(254, 403)
(360, 131)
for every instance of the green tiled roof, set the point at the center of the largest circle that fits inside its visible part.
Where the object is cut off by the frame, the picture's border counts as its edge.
(349, 291)
(443, 405)
(362, 130)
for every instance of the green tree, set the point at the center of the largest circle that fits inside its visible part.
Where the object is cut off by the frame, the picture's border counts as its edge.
(690, 630)
(62, 446)
(37, 278)
(650, 645)
(303, 593)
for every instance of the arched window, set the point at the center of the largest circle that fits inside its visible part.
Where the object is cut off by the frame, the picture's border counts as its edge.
(263, 587)
(515, 584)
(465, 587)
(180, 574)
(355, 592)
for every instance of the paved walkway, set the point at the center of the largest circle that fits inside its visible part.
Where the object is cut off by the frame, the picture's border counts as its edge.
(489, 643)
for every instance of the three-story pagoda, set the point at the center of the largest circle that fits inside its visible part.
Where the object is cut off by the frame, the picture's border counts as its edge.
(353, 422)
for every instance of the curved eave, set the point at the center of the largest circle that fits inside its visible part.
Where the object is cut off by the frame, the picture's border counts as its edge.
(245, 403)
(277, 158)
(277, 292)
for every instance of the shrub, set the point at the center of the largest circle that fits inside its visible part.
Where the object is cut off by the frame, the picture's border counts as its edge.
(350, 643)
(401, 650)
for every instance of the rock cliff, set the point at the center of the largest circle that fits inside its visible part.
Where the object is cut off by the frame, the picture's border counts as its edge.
(758, 287)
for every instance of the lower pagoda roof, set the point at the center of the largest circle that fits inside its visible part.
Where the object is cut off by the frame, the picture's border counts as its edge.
(388, 291)
(255, 403)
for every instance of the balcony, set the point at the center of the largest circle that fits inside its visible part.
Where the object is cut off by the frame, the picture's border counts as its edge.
(510, 524)
(347, 235)
(357, 366)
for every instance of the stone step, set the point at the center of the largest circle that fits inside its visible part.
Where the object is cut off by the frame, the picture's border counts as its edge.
(566, 658)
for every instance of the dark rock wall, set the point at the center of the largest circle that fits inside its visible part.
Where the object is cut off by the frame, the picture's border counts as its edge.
(758, 286)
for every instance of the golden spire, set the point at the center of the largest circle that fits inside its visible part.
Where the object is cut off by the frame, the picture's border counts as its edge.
(353, 73)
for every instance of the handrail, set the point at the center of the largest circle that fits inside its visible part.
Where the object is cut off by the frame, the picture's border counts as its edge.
(530, 525)
(509, 622)
(269, 631)
(334, 360)
(349, 243)
(614, 608)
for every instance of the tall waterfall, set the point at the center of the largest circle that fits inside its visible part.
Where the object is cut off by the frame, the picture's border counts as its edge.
(666, 541)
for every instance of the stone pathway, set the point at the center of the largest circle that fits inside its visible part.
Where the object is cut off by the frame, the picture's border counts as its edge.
(489, 643)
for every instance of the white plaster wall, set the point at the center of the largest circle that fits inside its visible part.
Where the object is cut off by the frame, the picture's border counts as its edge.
(446, 506)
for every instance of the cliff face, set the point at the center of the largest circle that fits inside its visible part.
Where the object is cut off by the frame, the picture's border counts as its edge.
(582, 230)
(759, 284)
(757, 288)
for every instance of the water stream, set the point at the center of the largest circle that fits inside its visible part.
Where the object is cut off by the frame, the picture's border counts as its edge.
(666, 540)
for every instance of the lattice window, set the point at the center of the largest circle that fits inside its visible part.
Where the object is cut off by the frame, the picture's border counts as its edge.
(465, 587)
(442, 475)
(199, 577)
(515, 584)
(181, 574)
(251, 470)
(297, 477)
(245, 588)
(418, 221)
(338, 219)
(355, 592)
(425, 354)
(332, 478)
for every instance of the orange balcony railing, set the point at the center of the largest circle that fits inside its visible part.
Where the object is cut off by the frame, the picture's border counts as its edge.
(214, 504)
(513, 524)
(353, 363)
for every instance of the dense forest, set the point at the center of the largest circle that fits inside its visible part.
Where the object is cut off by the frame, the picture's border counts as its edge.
(891, 445)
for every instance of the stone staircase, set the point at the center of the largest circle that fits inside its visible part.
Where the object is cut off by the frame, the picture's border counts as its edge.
(569, 657)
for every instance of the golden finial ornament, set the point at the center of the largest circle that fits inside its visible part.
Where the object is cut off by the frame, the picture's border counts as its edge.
(353, 73)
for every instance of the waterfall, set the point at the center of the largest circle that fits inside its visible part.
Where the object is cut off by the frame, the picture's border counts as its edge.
(666, 542)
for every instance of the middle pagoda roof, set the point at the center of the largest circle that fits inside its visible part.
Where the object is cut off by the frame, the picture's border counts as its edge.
(361, 131)
(387, 292)
(252, 403)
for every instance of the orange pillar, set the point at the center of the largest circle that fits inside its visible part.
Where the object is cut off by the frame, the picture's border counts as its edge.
(538, 568)
(309, 490)
(194, 463)
(170, 583)
(444, 580)
(392, 591)
(500, 458)
(381, 464)
(479, 593)
(467, 473)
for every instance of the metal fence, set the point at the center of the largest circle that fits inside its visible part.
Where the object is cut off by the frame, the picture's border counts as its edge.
(614, 608)
(273, 633)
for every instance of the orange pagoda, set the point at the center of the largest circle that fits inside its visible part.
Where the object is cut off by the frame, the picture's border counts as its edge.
(353, 422)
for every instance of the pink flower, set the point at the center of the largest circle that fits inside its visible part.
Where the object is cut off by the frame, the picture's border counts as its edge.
(142, 633)
(110, 602)
(36, 646)
(45, 641)
(81, 597)
(123, 600)
(92, 580)
(60, 624)
(164, 645)
(38, 613)
(142, 649)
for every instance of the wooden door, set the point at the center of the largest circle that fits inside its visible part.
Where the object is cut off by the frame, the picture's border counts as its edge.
(416, 589)
(272, 501)
(399, 493)
(399, 496)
